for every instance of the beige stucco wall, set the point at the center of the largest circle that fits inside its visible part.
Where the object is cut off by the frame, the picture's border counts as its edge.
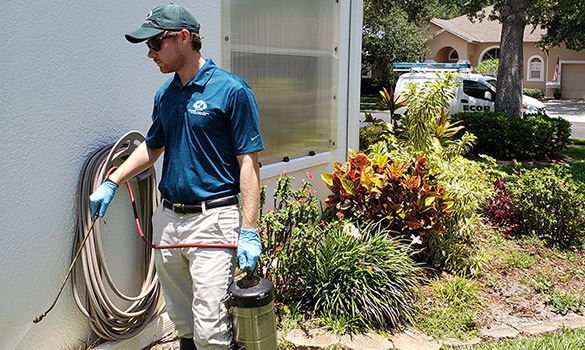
(446, 39)
(530, 50)
(564, 54)
(474, 51)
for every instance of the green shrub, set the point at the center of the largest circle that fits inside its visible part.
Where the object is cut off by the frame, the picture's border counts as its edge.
(426, 129)
(534, 93)
(505, 137)
(371, 134)
(488, 67)
(284, 231)
(519, 259)
(341, 324)
(550, 204)
(563, 303)
(360, 274)
(468, 184)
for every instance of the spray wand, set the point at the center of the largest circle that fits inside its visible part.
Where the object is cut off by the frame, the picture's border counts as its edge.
(40, 317)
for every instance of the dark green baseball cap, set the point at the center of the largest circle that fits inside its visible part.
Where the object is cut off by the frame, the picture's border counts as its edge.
(164, 17)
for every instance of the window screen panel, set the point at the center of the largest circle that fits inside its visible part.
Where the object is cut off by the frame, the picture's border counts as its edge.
(287, 52)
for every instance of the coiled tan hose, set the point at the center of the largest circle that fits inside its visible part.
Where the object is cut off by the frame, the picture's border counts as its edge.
(108, 320)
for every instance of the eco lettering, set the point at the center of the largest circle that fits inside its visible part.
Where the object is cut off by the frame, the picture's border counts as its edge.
(476, 108)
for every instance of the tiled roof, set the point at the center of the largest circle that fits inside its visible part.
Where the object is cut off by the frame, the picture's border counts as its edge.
(486, 31)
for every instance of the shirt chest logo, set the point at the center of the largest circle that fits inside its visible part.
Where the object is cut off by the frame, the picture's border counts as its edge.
(199, 108)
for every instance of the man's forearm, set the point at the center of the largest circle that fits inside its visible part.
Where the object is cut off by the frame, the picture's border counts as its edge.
(141, 159)
(249, 189)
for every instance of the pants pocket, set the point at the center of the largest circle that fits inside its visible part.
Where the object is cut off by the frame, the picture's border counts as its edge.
(228, 220)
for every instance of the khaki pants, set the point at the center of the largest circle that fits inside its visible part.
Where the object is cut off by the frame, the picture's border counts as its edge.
(195, 280)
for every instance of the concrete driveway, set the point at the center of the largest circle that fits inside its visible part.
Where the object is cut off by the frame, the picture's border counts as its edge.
(571, 110)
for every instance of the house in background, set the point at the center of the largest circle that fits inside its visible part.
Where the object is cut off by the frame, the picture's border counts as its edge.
(460, 39)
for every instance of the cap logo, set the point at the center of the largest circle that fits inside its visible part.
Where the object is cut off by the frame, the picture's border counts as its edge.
(147, 19)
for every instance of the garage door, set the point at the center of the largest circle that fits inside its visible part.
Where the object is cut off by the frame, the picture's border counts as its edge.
(573, 81)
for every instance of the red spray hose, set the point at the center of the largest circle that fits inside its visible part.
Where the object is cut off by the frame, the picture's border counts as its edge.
(153, 246)
(171, 246)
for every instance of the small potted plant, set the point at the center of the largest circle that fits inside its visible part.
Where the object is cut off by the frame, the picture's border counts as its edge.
(557, 94)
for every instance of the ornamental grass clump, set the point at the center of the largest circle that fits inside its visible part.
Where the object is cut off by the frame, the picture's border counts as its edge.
(361, 274)
(451, 309)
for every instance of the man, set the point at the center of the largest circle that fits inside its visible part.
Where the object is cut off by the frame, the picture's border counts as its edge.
(205, 120)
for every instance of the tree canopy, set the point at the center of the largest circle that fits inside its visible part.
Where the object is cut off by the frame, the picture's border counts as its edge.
(563, 20)
(396, 31)
(390, 39)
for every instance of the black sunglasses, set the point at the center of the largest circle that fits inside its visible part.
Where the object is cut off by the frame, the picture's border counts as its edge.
(154, 43)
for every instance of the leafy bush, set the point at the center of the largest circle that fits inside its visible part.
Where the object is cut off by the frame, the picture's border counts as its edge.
(500, 209)
(426, 129)
(546, 203)
(404, 196)
(285, 231)
(562, 303)
(468, 184)
(371, 134)
(550, 204)
(360, 275)
(534, 93)
(426, 106)
(506, 137)
(488, 67)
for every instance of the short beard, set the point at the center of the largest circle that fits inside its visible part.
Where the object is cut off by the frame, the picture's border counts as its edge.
(175, 65)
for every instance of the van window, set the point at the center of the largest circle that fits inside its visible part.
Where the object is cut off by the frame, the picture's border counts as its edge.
(476, 89)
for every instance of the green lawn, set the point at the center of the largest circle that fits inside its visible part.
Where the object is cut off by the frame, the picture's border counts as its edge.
(371, 102)
(566, 340)
(577, 154)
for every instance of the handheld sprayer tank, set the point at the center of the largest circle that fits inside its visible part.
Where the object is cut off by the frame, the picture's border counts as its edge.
(252, 300)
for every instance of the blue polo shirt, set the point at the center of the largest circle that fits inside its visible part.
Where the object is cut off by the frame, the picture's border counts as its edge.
(203, 126)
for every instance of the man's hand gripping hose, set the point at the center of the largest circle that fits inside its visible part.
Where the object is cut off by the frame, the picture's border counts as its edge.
(119, 315)
(101, 198)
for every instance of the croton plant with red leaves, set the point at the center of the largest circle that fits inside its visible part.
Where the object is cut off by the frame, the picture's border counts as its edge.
(402, 195)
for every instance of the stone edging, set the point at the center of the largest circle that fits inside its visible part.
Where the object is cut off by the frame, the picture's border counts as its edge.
(317, 339)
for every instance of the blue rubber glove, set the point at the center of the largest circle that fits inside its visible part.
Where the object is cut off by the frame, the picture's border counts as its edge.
(102, 197)
(249, 248)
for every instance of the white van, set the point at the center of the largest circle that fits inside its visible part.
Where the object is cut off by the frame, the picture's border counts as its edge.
(477, 93)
